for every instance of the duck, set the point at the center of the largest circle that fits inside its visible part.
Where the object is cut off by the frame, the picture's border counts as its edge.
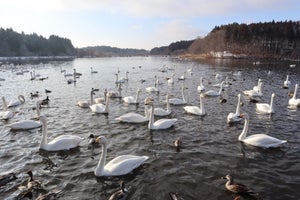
(161, 123)
(265, 107)
(118, 166)
(294, 101)
(45, 101)
(6, 178)
(213, 93)
(33, 184)
(133, 117)
(287, 83)
(34, 94)
(93, 139)
(235, 117)
(177, 101)
(201, 87)
(21, 100)
(6, 114)
(87, 103)
(237, 188)
(131, 99)
(120, 194)
(175, 196)
(195, 110)
(162, 112)
(100, 108)
(258, 140)
(62, 142)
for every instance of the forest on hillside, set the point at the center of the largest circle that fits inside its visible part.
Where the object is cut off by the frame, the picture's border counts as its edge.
(21, 44)
(269, 39)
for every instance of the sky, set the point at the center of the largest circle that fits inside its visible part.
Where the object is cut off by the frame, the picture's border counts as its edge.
(140, 24)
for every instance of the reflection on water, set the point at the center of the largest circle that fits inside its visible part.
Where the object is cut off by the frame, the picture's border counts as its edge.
(209, 150)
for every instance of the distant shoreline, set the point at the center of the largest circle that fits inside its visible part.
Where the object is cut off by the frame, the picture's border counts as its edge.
(35, 58)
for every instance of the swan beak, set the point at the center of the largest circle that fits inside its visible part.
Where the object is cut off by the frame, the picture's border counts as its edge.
(98, 139)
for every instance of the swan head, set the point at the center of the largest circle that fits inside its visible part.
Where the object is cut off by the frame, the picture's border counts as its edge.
(101, 140)
(244, 115)
(148, 101)
(273, 95)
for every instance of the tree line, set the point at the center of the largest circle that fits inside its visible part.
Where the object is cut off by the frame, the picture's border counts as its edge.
(21, 44)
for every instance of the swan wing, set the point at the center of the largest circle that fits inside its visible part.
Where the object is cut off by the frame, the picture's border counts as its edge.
(161, 112)
(6, 114)
(123, 165)
(64, 142)
(176, 101)
(193, 110)
(263, 140)
(211, 93)
(294, 102)
(97, 108)
(132, 117)
(25, 125)
(83, 103)
(233, 117)
(163, 123)
(263, 107)
(129, 99)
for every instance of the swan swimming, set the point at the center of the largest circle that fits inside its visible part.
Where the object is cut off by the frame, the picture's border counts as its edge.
(213, 93)
(131, 99)
(201, 87)
(265, 107)
(154, 88)
(294, 101)
(287, 83)
(87, 103)
(118, 166)
(27, 124)
(101, 99)
(101, 108)
(133, 117)
(177, 101)
(195, 110)
(6, 114)
(161, 123)
(256, 91)
(62, 142)
(20, 101)
(259, 140)
(162, 112)
(235, 117)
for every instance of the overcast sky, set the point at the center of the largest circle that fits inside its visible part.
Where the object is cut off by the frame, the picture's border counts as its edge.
(142, 24)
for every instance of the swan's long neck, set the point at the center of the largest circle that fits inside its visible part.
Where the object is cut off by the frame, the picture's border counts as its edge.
(287, 78)
(38, 112)
(201, 104)
(106, 104)
(168, 103)
(260, 87)
(201, 80)
(146, 111)
(182, 93)
(44, 134)
(4, 104)
(271, 103)
(137, 96)
(101, 163)
(238, 107)
(151, 120)
(242, 136)
(92, 98)
(221, 88)
(117, 78)
(295, 92)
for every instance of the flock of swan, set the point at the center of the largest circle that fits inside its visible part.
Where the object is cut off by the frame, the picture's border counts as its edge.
(124, 164)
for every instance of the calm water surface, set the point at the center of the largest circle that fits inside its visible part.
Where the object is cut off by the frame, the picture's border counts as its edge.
(210, 147)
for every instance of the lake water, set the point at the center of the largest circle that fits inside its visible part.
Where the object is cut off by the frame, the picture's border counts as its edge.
(210, 147)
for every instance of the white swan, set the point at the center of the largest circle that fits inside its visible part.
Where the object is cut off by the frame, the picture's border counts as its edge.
(161, 123)
(87, 103)
(154, 88)
(6, 114)
(20, 101)
(162, 112)
(101, 99)
(117, 94)
(118, 166)
(213, 93)
(133, 117)
(287, 82)
(293, 101)
(62, 142)
(93, 71)
(235, 117)
(182, 77)
(27, 124)
(101, 108)
(195, 110)
(177, 101)
(131, 99)
(171, 80)
(200, 87)
(257, 87)
(259, 140)
(256, 92)
(225, 84)
(119, 80)
(265, 107)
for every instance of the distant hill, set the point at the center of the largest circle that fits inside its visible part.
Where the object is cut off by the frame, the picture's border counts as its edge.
(21, 44)
(260, 40)
(103, 51)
